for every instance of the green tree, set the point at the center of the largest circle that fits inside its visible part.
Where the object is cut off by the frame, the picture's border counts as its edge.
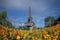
(34, 27)
(24, 28)
(3, 16)
(3, 19)
(58, 19)
(49, 21)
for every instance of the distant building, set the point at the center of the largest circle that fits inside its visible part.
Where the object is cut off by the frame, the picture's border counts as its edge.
(29, 22)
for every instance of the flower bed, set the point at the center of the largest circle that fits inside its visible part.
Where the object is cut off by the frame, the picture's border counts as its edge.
(50, 33)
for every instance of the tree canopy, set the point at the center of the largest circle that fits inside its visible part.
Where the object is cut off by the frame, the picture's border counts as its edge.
(3, 20)
(49, 21)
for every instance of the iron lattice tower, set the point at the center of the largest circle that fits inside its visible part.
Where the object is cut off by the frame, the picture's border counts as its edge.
(29, 22)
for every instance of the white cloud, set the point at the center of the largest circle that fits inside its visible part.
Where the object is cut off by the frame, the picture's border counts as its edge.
(38, 20)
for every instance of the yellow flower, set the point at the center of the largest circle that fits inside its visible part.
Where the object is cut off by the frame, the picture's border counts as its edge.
(18, 37)
(39, 38)
(54, 39)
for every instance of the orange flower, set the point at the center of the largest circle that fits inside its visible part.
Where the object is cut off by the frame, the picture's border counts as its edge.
(34, 38)
(5, 38)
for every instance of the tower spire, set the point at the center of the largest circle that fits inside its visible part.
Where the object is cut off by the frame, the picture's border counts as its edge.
(29, 11)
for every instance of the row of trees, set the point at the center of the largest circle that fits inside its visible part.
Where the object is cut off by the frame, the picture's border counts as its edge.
(3, 19)
(50, 21)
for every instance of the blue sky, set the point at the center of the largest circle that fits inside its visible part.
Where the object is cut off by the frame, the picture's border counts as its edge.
(17, 10)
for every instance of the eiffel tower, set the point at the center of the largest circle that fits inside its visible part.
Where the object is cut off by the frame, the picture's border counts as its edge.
(29, 22)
